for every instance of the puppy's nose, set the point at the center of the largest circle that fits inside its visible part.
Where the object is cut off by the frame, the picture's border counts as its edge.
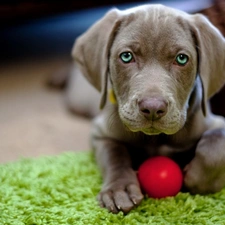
(153, 108)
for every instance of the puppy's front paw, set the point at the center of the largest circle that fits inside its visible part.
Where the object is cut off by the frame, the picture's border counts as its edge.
(203, 179)
(120, 196)
(194, 179)
(205, 173)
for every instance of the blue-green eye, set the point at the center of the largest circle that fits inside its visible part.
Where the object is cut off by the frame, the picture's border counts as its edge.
(126, 57)
(182, 59)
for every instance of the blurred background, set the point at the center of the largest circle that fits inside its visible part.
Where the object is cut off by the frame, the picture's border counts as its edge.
(36, 38)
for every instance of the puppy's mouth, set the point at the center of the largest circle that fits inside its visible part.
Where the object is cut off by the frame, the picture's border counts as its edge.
(151, 131)
(147, 131)
(152, 128)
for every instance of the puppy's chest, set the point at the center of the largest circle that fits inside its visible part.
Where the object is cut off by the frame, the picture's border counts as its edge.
(160, 145)
(163, 149)
(157, 146)
(154, 146)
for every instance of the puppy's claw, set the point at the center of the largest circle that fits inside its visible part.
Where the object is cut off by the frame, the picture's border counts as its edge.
(112, 209)
(135, 193)
(134, 201)
(118, 207)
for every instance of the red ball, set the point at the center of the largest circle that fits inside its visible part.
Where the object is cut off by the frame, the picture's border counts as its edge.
(160, 177)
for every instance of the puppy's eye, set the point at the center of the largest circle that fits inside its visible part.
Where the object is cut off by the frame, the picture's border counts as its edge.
(126, 57)
(182, 59)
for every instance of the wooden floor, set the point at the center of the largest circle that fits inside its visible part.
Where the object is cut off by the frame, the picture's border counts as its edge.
(33, 119)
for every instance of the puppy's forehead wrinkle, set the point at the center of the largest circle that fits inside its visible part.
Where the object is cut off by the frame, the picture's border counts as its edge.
(155, 30)
(160, 15)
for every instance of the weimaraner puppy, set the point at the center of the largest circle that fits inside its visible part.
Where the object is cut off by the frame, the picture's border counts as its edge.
(162, 65)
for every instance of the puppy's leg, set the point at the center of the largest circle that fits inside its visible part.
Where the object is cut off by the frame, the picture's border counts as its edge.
(206, 172)
(121, 190)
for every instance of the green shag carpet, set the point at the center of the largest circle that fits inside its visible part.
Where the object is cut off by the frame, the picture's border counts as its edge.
(62, 190)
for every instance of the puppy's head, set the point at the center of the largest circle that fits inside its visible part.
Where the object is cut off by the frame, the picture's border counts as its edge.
(152, 55)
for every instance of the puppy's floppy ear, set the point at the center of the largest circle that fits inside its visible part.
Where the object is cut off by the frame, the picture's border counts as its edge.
(91, 51)
(211, 53)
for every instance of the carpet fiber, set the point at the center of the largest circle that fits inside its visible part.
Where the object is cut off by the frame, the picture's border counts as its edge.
(62, 190)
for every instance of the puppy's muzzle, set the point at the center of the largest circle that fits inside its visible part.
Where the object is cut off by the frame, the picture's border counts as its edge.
(153, 108)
